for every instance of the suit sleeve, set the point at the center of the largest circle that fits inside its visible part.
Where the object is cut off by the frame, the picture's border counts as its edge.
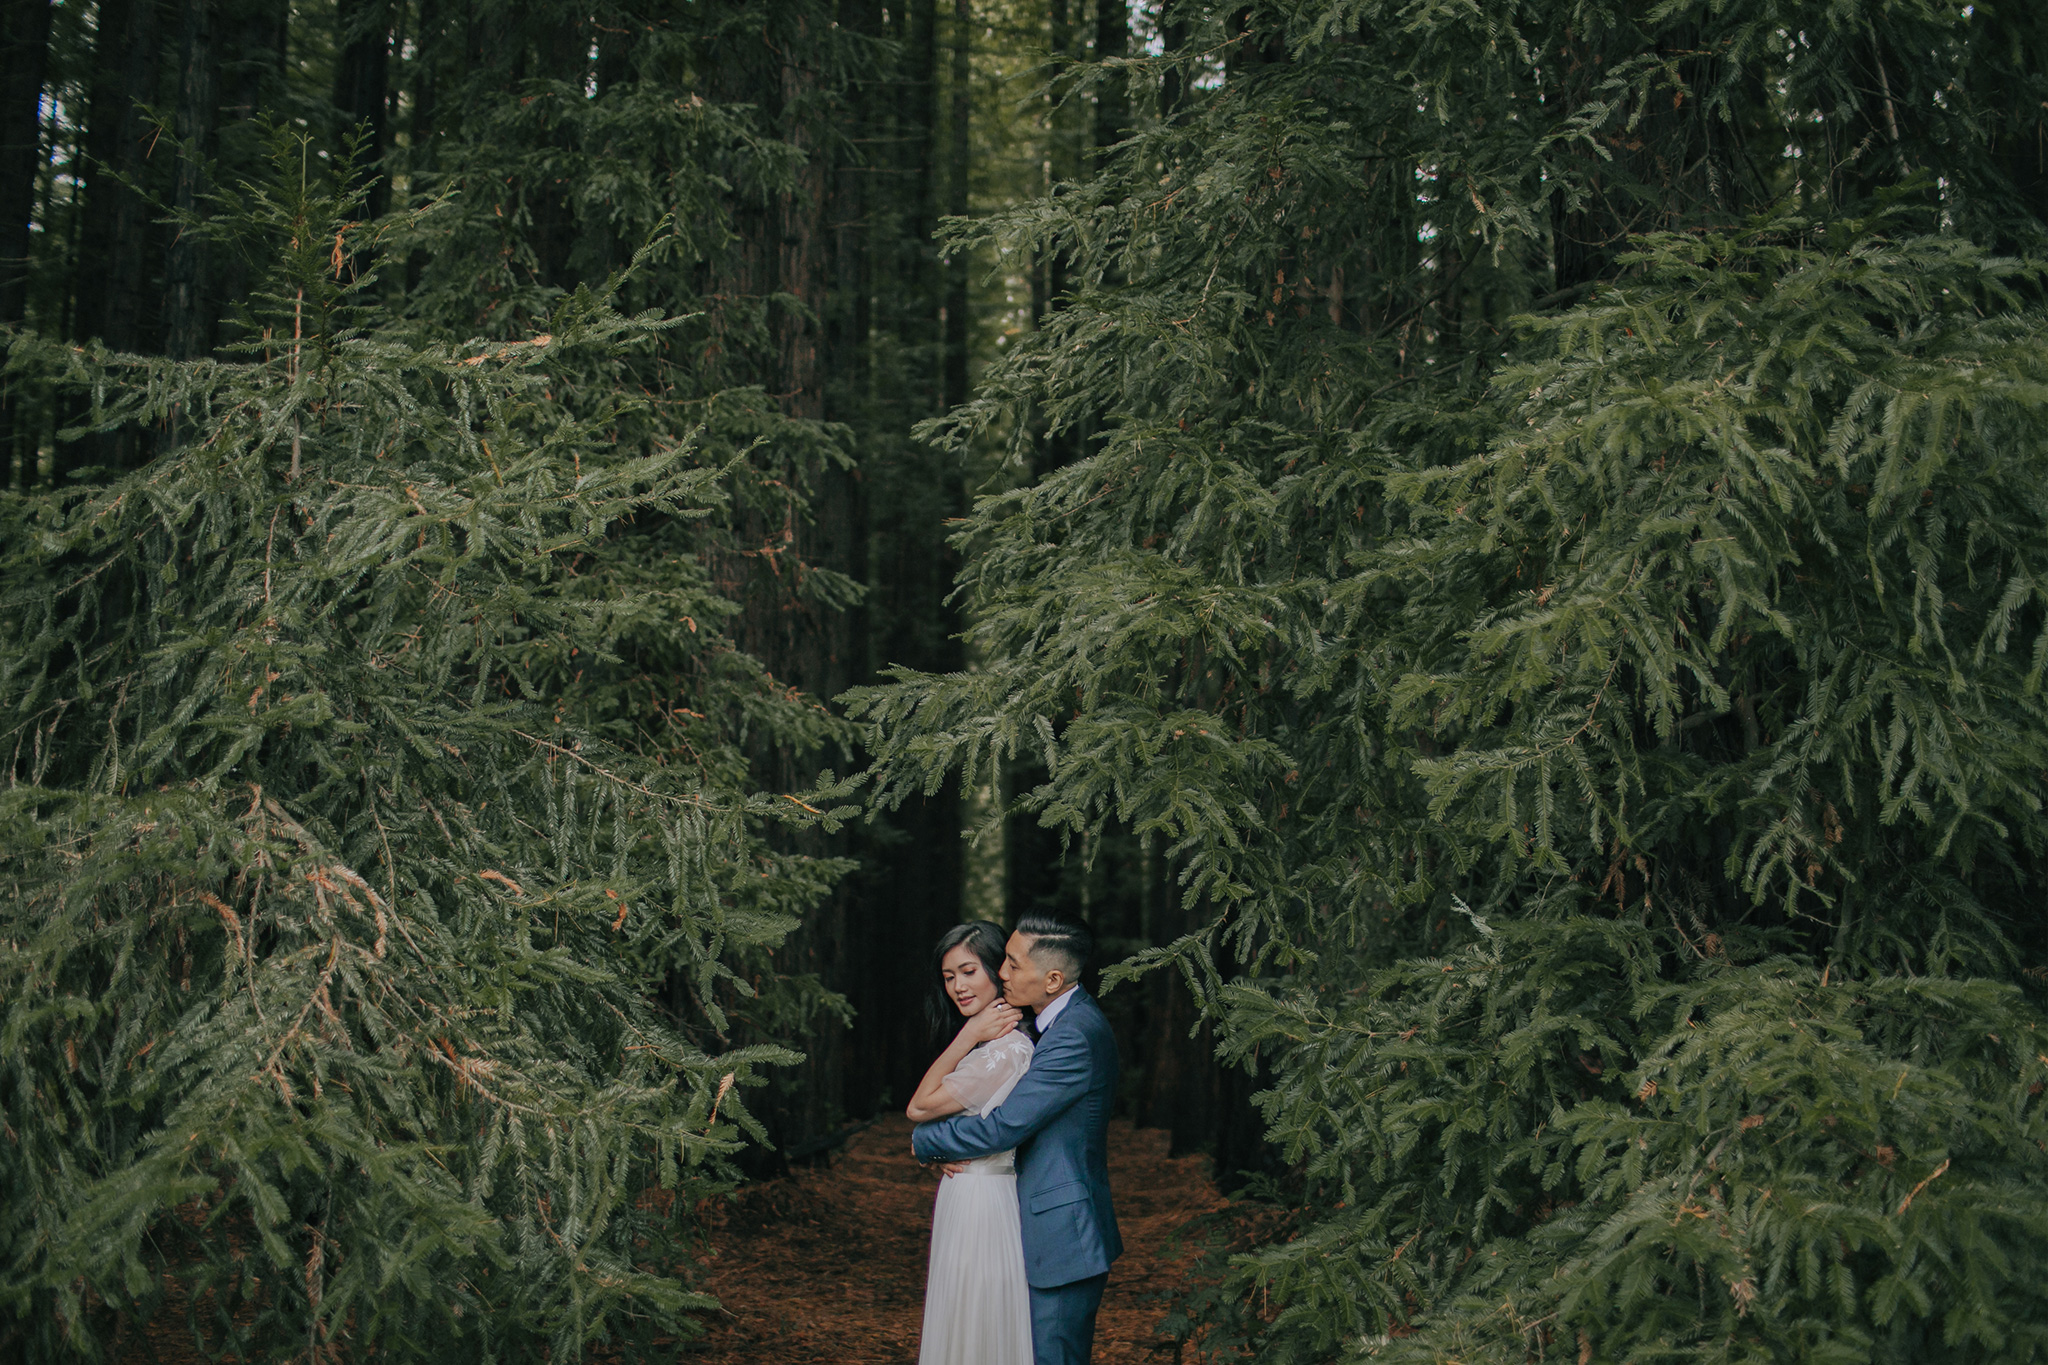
(1059, 1075)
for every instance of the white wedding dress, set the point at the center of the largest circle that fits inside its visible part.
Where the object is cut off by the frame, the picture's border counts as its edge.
(977, 1307)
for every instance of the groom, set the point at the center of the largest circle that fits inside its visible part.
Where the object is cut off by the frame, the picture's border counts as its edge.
(1058, 1120)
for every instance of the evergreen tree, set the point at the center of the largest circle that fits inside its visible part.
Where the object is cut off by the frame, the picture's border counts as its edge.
(1584, 465)
(385, 886)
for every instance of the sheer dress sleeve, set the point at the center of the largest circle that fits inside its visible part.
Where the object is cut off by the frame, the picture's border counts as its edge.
(987, 1075)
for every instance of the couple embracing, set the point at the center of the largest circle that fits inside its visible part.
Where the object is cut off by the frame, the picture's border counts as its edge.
(1023, 1231)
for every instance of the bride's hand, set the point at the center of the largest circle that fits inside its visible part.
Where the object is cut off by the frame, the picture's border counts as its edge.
(992, 1023)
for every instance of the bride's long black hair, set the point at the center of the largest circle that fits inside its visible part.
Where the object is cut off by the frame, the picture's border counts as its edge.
(988, 941)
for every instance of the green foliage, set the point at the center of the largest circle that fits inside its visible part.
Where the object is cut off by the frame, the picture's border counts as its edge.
(1553, 1139)
(1792, 492)
(1586, 463)
(384, 887)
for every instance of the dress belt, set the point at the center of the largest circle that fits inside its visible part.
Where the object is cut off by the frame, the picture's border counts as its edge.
(990, 1170)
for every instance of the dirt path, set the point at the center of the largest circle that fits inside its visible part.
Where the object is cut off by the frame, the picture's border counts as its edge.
(828, 1265)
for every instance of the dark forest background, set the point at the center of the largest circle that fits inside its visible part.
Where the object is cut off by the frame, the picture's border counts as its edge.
(827, 292)
(1495, 550)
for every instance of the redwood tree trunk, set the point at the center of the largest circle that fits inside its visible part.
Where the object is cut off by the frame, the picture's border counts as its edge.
(119, 249)
(251, 46)
(959, 115)
(114, 253)
(188, 312)
(24, 47)
(1113, 100)
(912, 881)
(362, 78)
(781, 264)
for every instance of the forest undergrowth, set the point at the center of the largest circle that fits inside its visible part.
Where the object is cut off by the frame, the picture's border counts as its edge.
(1497, 550)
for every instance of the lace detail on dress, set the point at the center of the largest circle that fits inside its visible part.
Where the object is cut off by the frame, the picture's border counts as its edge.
(987, 1075)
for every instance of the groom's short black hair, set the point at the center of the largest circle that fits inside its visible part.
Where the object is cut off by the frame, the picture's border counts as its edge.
(1061, 943)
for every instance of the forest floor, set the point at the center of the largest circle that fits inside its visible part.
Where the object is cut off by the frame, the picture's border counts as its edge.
(828, 1265)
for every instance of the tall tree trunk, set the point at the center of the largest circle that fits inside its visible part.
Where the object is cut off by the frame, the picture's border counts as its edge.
(804, 643)
(1049, 273)
(119, 245)
(852, 219)
(1110, 125)
(362, 77)
(919, 142)
(821, 649)
(852, 241)
(562, 54)
(188, 311)
(614, 54)
(914, 891)
(1112, 96)
(1065, 163)
(917, 894)
(251, 43)
(423, 73)
(2021, 137)
(113, 263)
(24, 49)
(957, 169)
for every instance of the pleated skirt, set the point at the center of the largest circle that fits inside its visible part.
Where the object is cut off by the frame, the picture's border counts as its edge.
(977, 1306)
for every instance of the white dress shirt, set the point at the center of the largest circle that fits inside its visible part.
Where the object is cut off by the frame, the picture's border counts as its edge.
(1051, 1010)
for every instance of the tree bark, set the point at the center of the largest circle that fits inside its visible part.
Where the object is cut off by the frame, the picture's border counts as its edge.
(911, 887)
(817, 648)
(1179, 1092)
(119, 248)
(24, 50)
(253, 38)
(362, 88)
(113, 264)
(919, 143)
(957, 202)
(781, 263)
(562, 54)
(1112, 95)
(423, 72)
(1065, 164)
(251, 45)
(188, 311)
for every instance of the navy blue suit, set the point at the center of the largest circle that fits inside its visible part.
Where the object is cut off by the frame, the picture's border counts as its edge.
(1057, 1119)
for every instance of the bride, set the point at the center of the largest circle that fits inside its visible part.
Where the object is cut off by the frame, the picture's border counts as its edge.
(977, 1308)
